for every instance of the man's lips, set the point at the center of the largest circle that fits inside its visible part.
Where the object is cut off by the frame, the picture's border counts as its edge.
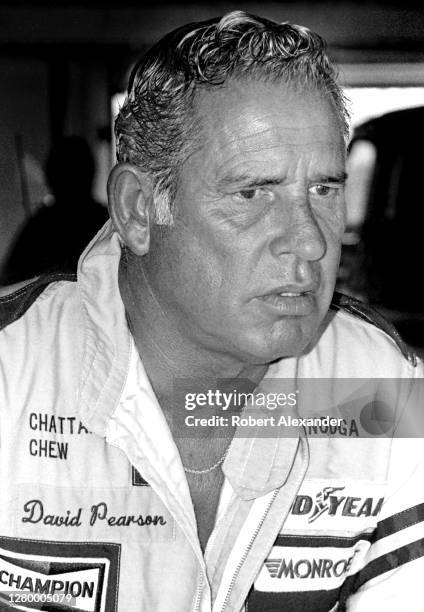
(291, 301)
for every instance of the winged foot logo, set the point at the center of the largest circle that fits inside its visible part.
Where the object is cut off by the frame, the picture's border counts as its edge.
(332, 502)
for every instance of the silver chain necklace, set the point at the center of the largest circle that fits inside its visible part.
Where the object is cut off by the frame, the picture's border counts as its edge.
(209, 469)
(186, 469)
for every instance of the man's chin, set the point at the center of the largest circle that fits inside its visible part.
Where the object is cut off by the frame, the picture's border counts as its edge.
(263, 349)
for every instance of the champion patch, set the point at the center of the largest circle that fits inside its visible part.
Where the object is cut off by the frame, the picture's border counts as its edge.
(59, 576)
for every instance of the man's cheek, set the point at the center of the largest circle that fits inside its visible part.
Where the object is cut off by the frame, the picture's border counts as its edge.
(236, 219)
(333, 227)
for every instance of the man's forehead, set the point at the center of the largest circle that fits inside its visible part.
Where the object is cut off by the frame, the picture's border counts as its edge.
(249, 113)
(259, 124)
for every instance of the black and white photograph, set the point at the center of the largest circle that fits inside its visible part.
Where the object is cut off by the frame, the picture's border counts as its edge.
(211, 306)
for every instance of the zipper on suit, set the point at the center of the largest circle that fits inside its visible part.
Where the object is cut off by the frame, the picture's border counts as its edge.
(198, 593)
(247, 550)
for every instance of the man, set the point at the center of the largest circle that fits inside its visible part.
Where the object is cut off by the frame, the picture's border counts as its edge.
(219, 264)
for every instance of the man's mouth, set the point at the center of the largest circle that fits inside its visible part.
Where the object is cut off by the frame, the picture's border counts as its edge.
(291, 303)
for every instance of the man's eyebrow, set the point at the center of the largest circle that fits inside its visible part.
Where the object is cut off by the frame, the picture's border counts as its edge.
(249, 180)
(340, 178)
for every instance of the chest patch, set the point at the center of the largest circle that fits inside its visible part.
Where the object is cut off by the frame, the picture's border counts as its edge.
(57, 576)
(115, 514)
(336, 505)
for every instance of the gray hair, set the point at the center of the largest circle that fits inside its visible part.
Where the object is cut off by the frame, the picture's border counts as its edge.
(156, 126)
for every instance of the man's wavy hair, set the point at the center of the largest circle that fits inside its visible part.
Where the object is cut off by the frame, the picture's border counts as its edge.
(156, 126)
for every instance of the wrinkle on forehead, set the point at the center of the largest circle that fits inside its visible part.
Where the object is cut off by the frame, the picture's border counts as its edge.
(256, 121)
(273, 137)
(275, 149)
(271, 140)
(283, 160)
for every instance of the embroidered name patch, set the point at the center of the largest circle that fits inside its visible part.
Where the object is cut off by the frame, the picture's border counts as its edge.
(116, 514)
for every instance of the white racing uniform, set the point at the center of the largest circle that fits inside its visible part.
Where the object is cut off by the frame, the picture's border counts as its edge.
(95, 505)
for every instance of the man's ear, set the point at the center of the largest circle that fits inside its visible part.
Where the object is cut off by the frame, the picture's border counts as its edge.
(130, 197)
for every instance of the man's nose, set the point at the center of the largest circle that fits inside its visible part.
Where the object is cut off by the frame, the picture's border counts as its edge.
(298, 233)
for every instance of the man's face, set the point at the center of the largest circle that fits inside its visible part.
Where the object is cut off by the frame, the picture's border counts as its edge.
(249, 266)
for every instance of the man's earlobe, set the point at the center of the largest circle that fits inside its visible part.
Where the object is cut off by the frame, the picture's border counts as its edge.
(130, 197)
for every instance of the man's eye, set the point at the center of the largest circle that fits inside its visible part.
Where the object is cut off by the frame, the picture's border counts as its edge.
(247, 194)
(253, 193)
(322, 190)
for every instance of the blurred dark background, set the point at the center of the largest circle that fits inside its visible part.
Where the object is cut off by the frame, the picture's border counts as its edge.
(63, 70)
